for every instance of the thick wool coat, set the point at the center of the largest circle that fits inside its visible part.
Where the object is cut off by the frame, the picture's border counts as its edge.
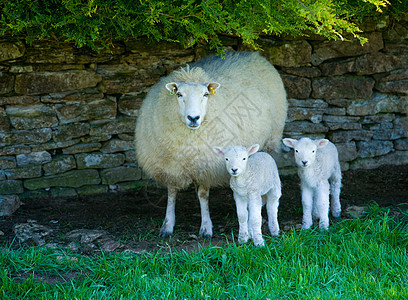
(249, 107)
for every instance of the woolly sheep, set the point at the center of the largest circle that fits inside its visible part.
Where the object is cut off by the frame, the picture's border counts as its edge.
(216, 101)
(320, 175)
(254, 181)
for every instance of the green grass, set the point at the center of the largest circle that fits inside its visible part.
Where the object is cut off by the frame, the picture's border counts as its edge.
(356, 259)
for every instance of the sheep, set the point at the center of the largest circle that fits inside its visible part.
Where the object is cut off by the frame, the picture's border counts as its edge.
(216, 101)
(254, 181)
(320, 175)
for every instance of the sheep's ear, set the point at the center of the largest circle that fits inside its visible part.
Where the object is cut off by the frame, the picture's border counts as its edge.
(218, 151)
(289, 142)
(251, 150)
(321, 143)
(212, 87)
(172, 87)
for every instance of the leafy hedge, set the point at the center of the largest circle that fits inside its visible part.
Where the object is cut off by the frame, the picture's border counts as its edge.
(95, 22)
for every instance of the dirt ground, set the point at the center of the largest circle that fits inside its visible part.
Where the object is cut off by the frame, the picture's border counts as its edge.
(131, 221)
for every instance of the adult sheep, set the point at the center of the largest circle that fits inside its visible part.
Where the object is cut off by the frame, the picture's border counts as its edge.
(238, 99)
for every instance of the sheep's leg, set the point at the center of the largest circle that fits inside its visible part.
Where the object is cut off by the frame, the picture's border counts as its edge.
(206, 224)
(307, 204)
(242, 212)
(335, 186)
(322, 199)
(272, 204)
(255, 219)
(170, 219)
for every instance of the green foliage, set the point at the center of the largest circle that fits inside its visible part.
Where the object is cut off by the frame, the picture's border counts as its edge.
(92, 22)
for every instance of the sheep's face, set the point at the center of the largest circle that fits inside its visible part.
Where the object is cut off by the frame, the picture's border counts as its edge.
(305, 150)
(192, 100)
(236, 157)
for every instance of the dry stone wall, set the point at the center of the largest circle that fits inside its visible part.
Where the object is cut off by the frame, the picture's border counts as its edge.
(67, 115)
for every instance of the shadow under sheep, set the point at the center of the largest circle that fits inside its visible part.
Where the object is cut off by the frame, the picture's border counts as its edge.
(130, 221)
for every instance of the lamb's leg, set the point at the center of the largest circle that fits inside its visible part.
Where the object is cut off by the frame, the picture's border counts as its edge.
(307, 204)
(315, 212)
(206, 224)
(272, 203)
(335, 186)
(255, 219)
(322, 202)
(242, 212)
(168, 224)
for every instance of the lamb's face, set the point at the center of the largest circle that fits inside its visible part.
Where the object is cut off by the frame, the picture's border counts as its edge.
(305, 153)
(192, 101)
(236, 157)
(305, 150)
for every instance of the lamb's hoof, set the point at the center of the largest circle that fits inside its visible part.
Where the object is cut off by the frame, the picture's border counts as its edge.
(305, 227)
(274, 231)
(324, 226)
(259, 243)
(336, 214)
(243, 239)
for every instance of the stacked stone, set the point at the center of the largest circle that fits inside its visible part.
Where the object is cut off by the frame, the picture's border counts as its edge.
(354, 95)
(67, 115)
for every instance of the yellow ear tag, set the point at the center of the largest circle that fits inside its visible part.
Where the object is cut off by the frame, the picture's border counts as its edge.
(212, 91)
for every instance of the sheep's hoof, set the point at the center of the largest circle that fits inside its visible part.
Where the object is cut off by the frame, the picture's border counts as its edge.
(165, 233)
(205, 233)
(206, 236)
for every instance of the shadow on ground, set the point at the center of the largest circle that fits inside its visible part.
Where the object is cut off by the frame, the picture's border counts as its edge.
(131, 221)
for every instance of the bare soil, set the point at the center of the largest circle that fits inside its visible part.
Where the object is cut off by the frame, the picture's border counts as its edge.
(133, 219)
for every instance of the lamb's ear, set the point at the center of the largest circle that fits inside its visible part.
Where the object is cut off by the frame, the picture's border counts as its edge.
(212, 87)
(218, 151)
(251, 150)
(289, 142)
(321, 143)
(172, 87)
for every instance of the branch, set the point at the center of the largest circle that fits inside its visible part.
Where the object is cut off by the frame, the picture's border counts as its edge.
(317, 20)
(215, 12)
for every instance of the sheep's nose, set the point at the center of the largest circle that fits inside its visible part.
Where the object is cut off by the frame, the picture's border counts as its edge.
(234, 170)
(193, 119)
(304, 162)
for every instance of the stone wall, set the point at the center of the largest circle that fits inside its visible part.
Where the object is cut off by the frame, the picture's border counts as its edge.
(67, 115)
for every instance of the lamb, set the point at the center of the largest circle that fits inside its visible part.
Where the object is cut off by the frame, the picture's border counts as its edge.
(320, 175)
(254, 181)
(216, 101)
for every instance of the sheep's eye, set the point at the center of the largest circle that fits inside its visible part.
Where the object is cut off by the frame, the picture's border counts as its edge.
(244, 158)
(206, 94)
(296, 151)
(226, 159)
(313, 151)
(178, 95)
